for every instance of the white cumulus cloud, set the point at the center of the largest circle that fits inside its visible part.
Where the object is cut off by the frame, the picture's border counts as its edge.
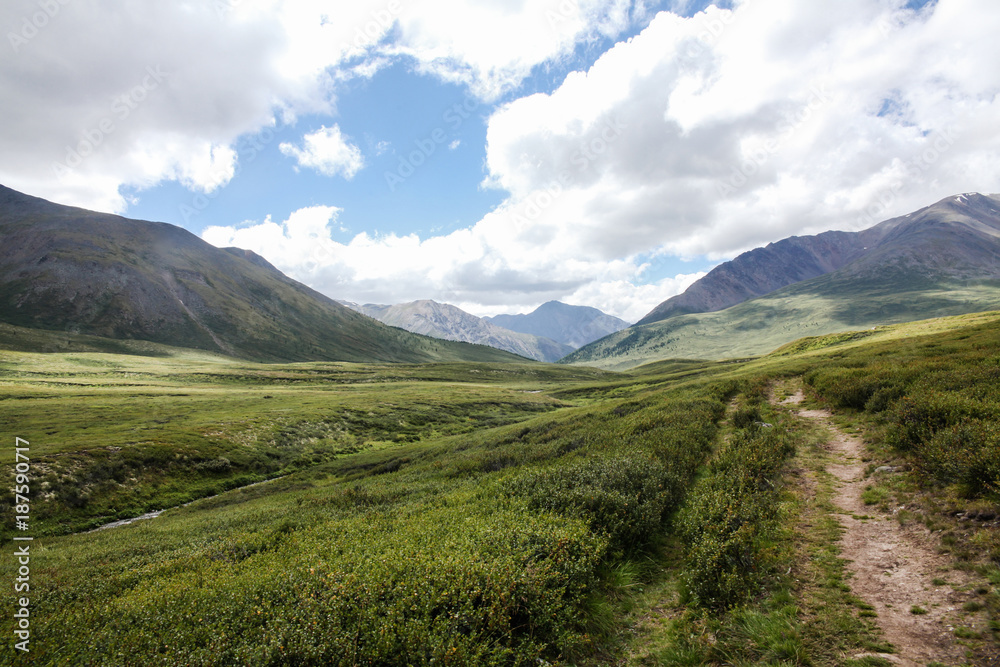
(104, 94)
(732, 128)
(707, 135)
(493, 46)
(497, 266)
(327, 151)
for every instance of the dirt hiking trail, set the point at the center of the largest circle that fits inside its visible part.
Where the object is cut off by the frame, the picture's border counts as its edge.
(893, 567)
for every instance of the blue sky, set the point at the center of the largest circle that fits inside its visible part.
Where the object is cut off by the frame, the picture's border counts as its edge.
(385, 116)
(497, 155)
(393, 116)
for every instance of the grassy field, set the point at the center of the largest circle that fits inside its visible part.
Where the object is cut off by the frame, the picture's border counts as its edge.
(116, 436)
(457, 512)
(473, 513)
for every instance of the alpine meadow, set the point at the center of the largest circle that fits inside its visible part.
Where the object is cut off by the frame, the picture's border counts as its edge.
(492, 514)
(548, 333)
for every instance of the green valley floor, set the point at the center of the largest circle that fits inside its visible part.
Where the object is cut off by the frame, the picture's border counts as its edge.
(833, 503)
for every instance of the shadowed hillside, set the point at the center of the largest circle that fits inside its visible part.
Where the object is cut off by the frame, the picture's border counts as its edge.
(72, 270)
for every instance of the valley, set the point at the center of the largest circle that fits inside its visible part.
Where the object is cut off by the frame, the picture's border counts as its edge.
(230, 468)
(500, 334)
(483, 513)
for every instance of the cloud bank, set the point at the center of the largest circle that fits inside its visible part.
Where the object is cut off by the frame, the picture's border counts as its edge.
(84, 118)
(703, 135)
(706, 135)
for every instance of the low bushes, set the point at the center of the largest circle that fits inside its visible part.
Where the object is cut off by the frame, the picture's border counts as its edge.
(938, 403)
(624, 498)
(967, 453)
(731, 515)
(485, 548)
(459, 585)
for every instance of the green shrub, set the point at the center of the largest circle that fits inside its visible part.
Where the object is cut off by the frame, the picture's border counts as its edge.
(625, 498)
(915, 419)
(725, 527)
(966, 453)
(938, 402)
(730, 517)
(746, 416)
(883, 398)
(870, 383)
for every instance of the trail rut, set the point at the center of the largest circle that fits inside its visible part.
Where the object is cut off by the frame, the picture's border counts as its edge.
(893, 567)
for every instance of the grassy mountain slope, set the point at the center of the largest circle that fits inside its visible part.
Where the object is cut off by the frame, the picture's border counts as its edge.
(756, 327)
(942, 260)
(572, 325)
(764, 270)
(71, 270)
(761, 271)
(442, 320)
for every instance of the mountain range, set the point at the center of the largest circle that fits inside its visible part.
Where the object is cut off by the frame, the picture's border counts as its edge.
(941, 260)
(574, 326)
(549, 333)
(442, 320)
(73, 271)
(75, 279)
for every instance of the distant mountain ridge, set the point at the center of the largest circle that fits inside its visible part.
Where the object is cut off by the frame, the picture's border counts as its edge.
(449, 322)
(72, 270)
(571, 325)
(941, 260)
(763, 270)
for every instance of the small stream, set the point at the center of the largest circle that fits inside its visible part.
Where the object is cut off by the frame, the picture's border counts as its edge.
(156, 513)
(125, 522)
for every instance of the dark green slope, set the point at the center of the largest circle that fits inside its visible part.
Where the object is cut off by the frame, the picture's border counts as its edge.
(68, 269)
(942, 260)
